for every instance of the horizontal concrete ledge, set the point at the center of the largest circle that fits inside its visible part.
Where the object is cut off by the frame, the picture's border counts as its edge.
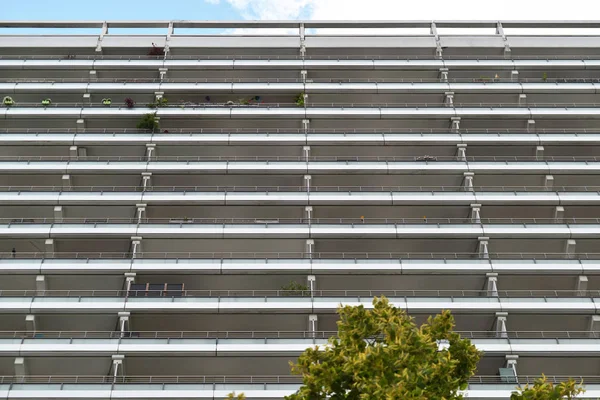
(264, 229)
(298, 266)
(273, 138)
(286, 305)
(292, 87)
(298, 168)
(339, 111)
(453, 196)
(76, 347)
(141, 62)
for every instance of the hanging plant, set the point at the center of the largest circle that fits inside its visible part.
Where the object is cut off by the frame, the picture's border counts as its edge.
(299, 99)
(148, 122)
(46, 102)
(106, 102)
(8, 101)
(129, 103)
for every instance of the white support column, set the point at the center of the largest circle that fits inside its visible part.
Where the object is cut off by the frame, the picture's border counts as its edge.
(313, 321)
(301, 33)
(101, 37)
(468, 181)
(559, 213)
(570, 248)
(158, 95)
(21, 369)
(438, 46)
(80, 123)
(303, 75)
(40, 285)
(449, 99)
(30, 326)
(514, 76)
(49, 248)
(136, 246)
(455, 124)
(522, 99)
(582, 285)
(93, 75)
(530, 125)
(461, 152)
(308, 211)
(594, 325)
(501, 330)
(475, 213)
(310, 243)
(549, 182)
(129, 280)
(307, 179)
(58, 214)
(539, 153)
(306, 153)
(306, 125)
(146, 180)
(66, 182)
(124, 323)
(140, 212)
(443, 75)
(491, 284)
(162, 72)
(482, 247)
(311, 280)
(73, 152)
(500, 31)
(511, 362)
(150, 151)
(117, 365)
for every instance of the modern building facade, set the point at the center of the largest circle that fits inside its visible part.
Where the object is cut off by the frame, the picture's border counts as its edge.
(295, 166)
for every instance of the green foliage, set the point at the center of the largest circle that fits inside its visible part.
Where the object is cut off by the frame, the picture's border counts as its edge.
(544, 390)
(232, 396)
(545, 76)
(162, 102)
(299, 100)
(382, 354)
(107, 102)
(8, 101)
(46, 102)
(148, 122)
(295, 289)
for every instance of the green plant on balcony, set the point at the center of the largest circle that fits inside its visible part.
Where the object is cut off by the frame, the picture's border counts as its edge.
(106, 102)
(295, 289)
(299, 99)
(545, 77)
(160, 102)
(46, 102)
(148, 122)
(8, 101)
(233, 396)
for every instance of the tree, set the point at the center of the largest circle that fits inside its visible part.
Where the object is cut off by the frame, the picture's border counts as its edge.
(382, 354)
(544, 390)
(233, 396)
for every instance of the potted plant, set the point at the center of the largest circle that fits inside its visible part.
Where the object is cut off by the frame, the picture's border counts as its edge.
(148, 122)
(299, 99)
(294, 289)
(46, 102)
(545, 77)
(8, 101)
(129, 103)
(106, 102)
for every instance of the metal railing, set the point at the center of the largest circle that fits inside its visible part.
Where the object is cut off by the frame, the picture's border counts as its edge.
(300, 189)
(290, 104)
(172, 294)
(354, 222)
(592, 335)
(349, 255)
(271, 130)
(304, 159)
(249, 379)
(486, 80)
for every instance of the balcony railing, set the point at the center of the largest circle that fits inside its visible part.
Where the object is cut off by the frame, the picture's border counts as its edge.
(296, 221)
(300, 189)
(266, 256)
(247, 379)
(276, 158)
(592, 335)
(141, 295)
(265, 131)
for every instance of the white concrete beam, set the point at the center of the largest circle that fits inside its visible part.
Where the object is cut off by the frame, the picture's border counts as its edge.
(58, 214)
(468, 181)
(582, 285)
(549, 182)
(539, 153)
(307, 179)
(570, 248)
(461, 152)
(559, 213)
(150, 151)
(514, 76)
(491, 284)
(49, 248)
(136, 246)
(530, 125)
(449, 99)
(140, 212)
(501, 330)
(30, 325)
(483, 247)
(146, 180)
(41, 285)
(306, 152)
(21, 367)
(443, 75)
(475, 213)
(308, 210)
(310, 243)
(455, 124)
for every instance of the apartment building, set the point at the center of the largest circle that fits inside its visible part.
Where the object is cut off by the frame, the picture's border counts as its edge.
(290, 167)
